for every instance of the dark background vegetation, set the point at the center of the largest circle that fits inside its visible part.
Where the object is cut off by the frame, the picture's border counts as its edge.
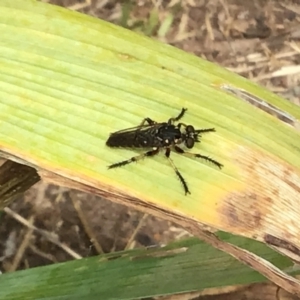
(257, 39)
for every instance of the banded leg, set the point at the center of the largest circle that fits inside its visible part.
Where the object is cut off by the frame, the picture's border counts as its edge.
(134, 158)
(182, 180)
(181, 151)
(172, 120)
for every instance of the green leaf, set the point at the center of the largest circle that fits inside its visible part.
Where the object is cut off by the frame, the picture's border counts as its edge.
(68, 80)
(166, 25)
(181, 267)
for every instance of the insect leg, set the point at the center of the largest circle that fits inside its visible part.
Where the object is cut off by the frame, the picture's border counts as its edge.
(172, 120)
(181, 151)
(183, 182)
(134, 158)
(181, 124)
(149, 121)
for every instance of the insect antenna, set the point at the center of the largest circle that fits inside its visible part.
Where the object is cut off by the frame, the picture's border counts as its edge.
(205, 130)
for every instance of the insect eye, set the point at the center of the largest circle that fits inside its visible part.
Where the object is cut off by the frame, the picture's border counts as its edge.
(189, 129)
(189, 142)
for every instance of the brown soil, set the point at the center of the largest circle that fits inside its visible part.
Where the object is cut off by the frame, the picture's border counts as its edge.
(258, 39)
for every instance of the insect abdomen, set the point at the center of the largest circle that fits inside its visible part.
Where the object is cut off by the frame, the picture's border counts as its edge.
(129, 140)
(119, 141)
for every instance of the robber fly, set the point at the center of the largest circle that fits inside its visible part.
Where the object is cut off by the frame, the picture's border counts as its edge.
(164, 135)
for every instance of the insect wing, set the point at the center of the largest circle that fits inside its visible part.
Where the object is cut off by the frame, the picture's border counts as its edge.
(128, 137)
(130, 130)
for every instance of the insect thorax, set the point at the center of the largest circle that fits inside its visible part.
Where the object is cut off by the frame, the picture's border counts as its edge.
(168, 135)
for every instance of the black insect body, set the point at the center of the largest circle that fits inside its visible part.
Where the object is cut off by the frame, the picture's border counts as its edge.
(165, 135)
